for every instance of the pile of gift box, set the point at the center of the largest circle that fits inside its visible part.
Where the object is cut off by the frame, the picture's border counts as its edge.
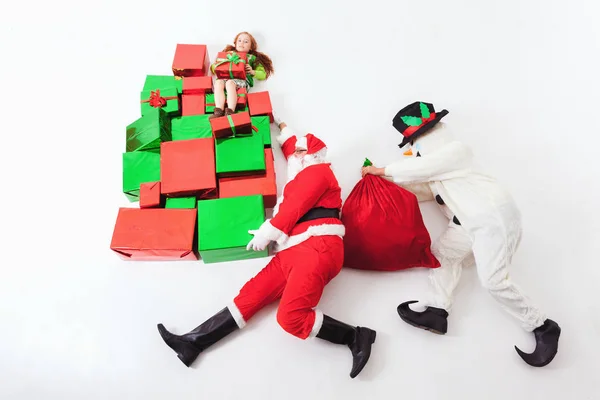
(201, 183)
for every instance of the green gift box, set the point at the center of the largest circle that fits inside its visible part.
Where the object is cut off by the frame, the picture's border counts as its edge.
(223, 226)
(149, 131)
(240, 155)
(181, 202)
(210, 103)
(263, 125)
(139, 167)
(163, 82)
(166, 99)
(191, 127)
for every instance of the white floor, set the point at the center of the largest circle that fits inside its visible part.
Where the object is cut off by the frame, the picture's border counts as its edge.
(520, 82)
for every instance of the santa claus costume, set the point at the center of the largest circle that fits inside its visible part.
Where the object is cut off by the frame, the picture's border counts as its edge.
(484, 227)
(309, 250)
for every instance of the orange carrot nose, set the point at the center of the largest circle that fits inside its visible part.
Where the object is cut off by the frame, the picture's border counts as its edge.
(408, 152)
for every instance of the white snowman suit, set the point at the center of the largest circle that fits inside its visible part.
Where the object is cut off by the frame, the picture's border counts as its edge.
(490, 222)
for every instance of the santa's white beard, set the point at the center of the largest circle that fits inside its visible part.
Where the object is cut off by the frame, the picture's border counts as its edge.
(297, 164)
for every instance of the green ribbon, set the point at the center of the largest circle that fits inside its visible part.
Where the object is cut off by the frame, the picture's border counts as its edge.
(232, 58)
(367, 163)
(231, 124)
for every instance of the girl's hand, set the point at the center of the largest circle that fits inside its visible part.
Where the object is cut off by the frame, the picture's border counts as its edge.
(249, 70)
(372, 170)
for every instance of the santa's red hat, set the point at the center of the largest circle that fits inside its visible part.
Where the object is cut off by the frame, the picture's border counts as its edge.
(309, 142)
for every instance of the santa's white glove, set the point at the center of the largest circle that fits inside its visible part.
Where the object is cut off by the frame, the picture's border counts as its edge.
(258, 242)
(276, 118)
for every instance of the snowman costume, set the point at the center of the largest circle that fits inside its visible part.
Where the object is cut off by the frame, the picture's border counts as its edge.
(309, 254)
(484, 227)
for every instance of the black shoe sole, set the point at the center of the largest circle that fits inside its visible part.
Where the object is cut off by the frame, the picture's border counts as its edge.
(426, 328)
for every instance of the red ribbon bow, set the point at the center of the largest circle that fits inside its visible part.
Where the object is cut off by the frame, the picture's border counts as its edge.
(156, 100)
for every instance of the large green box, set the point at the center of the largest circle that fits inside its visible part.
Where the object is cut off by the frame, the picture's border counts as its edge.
(168, 95)
(263, 124)
(139, 167)
(241, 155)
(149, 131)
(191, 127)
(163, 82)
(223, 226)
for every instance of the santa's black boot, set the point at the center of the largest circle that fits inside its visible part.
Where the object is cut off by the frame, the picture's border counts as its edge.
(546, 345)
(191, 344)
(358, 339)
(433, 319)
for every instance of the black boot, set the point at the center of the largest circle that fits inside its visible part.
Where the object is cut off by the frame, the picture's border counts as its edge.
(546, 345)
(433, 319)
(358, 339)
(191, 344)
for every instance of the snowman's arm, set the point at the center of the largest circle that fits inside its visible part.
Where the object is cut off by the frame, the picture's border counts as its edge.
(451, 157)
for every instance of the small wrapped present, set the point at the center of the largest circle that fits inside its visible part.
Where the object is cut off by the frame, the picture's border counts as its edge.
(197, 85)
(167, 99)
(191, 127)
(259, 104)
(238, 124)
(230, 65)
(242, 99)
(223, 226)
(156, 234)
(139, 167)
(163, 82)
(263, 127)
(190, 60)
(150, 195)
(181, 202)
(147, 132)
(239, 156)
(264, 184)
(187, 168)
(193, 104)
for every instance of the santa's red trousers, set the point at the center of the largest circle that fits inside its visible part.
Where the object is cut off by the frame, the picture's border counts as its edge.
(297, 276)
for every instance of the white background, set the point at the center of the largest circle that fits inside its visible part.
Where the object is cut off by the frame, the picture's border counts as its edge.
(520, 80)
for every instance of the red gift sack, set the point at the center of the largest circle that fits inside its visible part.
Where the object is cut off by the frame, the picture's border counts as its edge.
(384, 228)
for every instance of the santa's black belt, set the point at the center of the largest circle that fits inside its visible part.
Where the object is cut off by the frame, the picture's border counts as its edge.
(320, 212)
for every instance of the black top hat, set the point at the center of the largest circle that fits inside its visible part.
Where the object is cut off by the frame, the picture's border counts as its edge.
(416, 119)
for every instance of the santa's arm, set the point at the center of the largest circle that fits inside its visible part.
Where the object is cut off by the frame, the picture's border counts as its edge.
(300, 195)
(451, 157)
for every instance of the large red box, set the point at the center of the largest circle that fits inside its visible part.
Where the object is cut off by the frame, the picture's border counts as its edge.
(231, 65)
(259, 104)
(193, 104)
(265, 184)
(150, 195)
(190, 60)
(155, 234)
(197, 85)
(231, 125)
(187, 168)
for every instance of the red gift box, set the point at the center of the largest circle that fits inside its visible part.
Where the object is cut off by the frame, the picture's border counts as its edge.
(197, 85)
(231, 125)
(155, 234)
(264, 184)
(193, 104)
(230, 65)
(187, 168)
(191, 60)
(242, 99)
(259, 103)
(150, 195)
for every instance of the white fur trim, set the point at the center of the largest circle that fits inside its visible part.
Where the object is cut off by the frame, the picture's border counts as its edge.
(314, 230)
(285, 134)
(318, 324)
(268, 231)
(236, 314)
(302, 143)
